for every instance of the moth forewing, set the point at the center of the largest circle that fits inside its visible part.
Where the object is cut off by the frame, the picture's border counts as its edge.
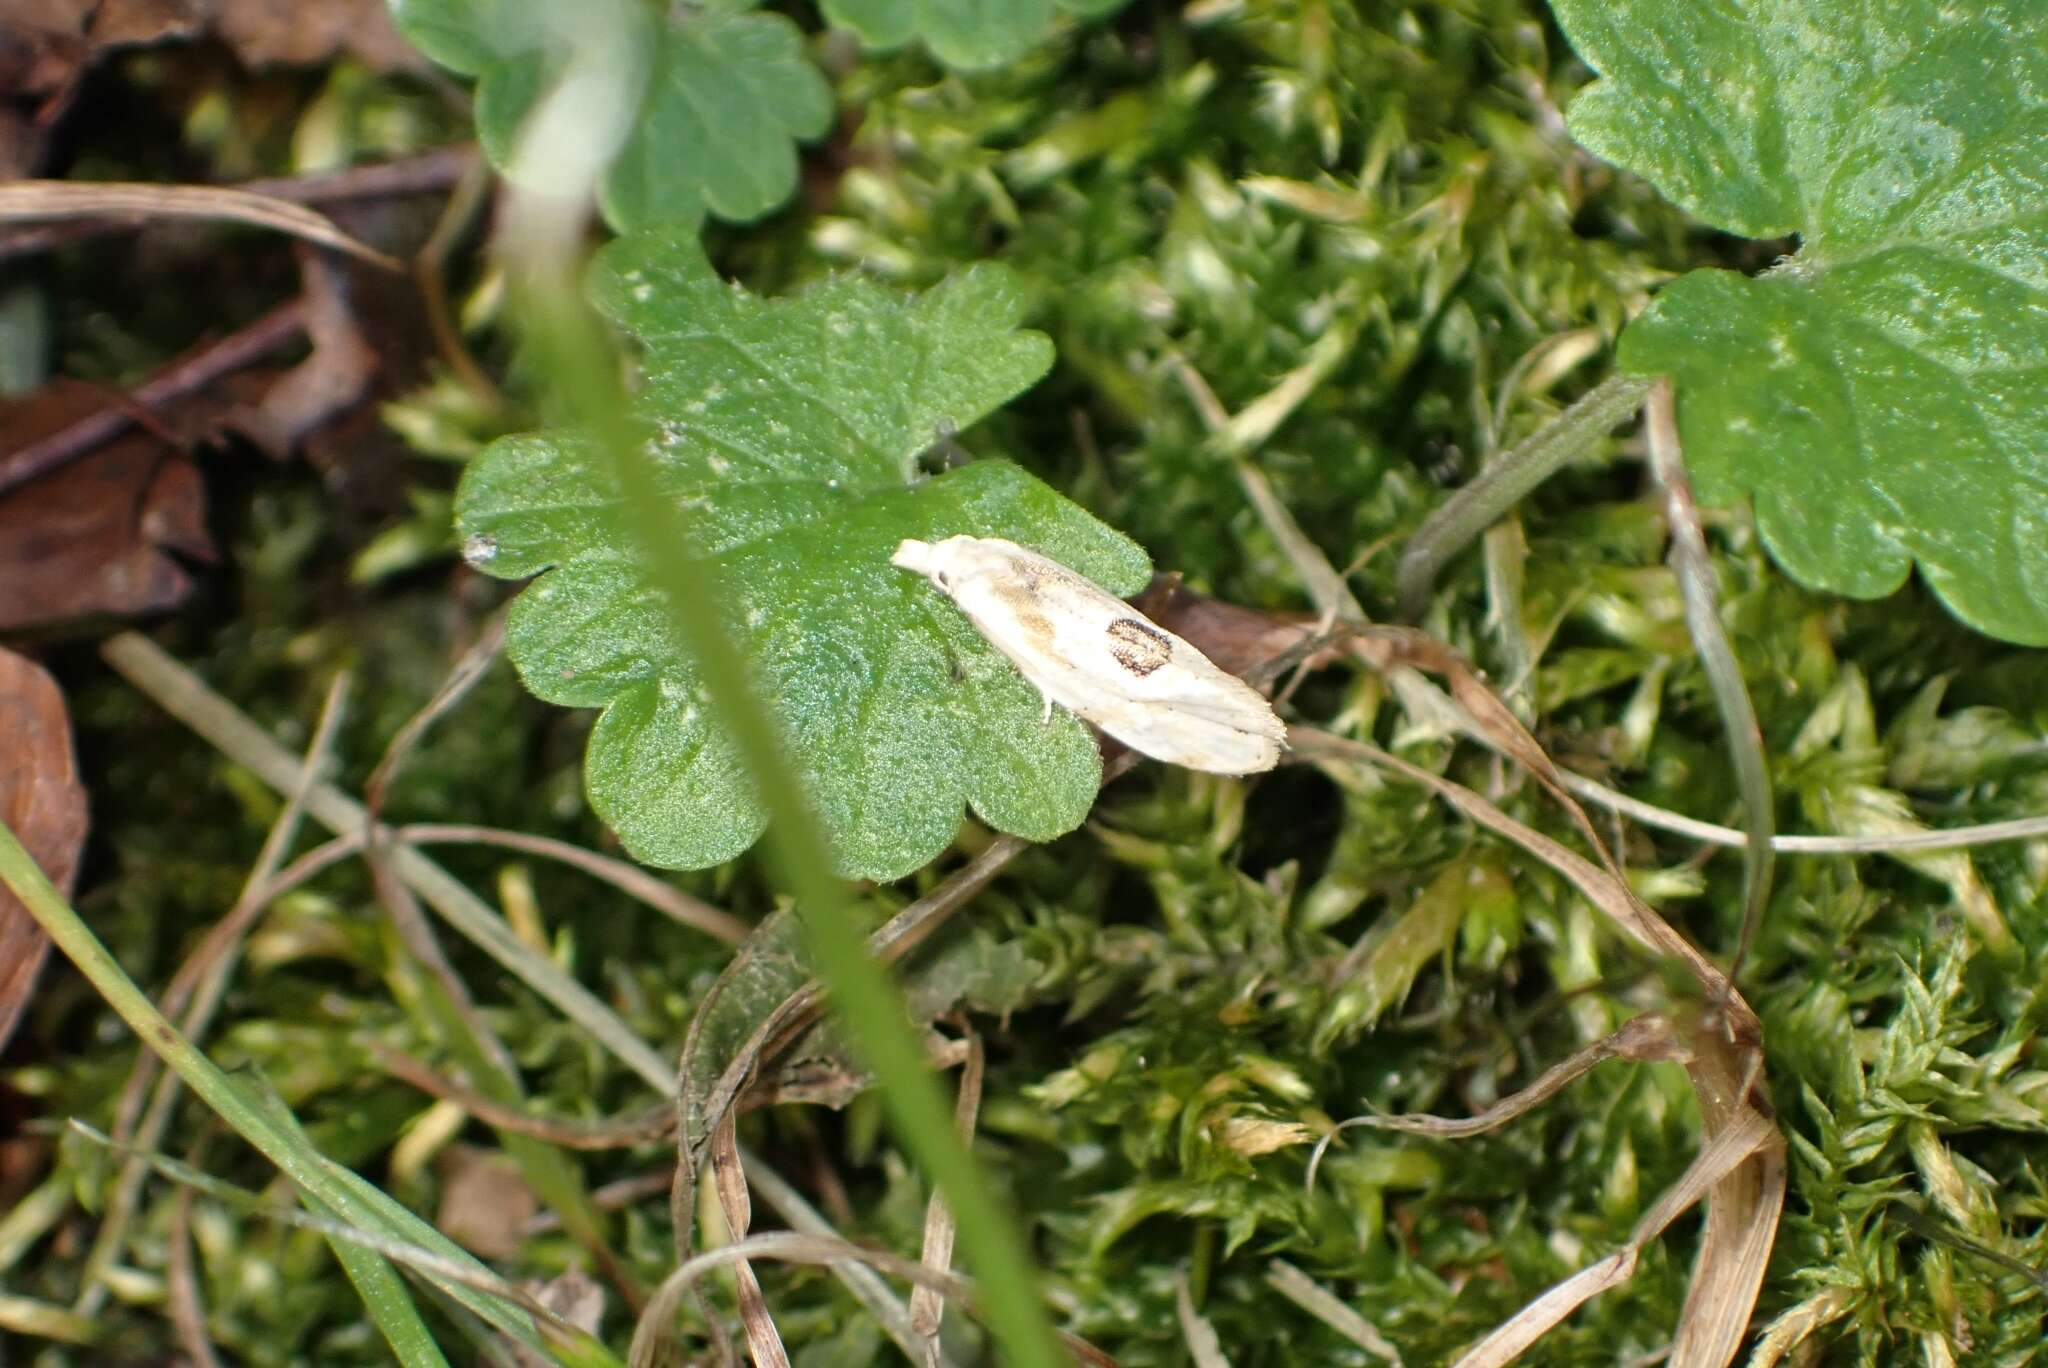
(1087, 650)
(1190, 740)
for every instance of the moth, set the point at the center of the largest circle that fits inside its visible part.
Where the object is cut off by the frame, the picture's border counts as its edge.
(1087, 650)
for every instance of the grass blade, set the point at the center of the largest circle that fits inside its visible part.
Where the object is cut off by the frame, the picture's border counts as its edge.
(355, 1202)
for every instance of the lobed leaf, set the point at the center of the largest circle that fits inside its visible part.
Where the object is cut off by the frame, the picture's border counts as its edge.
(724, 97)
(794, 429)
(1882, 395)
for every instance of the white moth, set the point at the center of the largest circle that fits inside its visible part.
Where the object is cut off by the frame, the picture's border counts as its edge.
(1085, 649)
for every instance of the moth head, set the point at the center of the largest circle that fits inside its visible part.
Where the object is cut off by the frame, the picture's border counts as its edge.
(914, 555)
(923, 558)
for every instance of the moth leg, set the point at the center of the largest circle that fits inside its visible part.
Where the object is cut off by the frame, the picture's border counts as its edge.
(1045, 718)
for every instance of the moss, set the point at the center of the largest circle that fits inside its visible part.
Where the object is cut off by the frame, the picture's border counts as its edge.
(1223, 971)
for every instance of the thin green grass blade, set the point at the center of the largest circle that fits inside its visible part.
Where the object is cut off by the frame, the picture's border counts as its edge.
(567, 344)
(351, 1199)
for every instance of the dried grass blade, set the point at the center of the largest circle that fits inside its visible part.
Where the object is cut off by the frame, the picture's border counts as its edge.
(1326, 588)
(1306, 1293)
(194, 994)
(1793, 1326)
(1647, 1038)
(28, 200)
(1605, 890)
(1716, 1160)
(729, 1182)
(181, 1287)
(863, 1283)
(1204, 1347)
(181, 693)
(1235, 437)
(927, 1307)
(699, 1108)
(629, 879)
(1699, 590)
(447, 1006)
(1723, 1057)
(652, 1332)
(1743, 1211)
(623, 1132)
(1492, 723)
(467, 672)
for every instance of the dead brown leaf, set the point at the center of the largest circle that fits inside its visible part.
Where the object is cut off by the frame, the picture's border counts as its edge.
(576, 1297)
(329, 381)
(43, 442)
(45, 43)
(485, 1202)
(294, 33)
(88, 525)
(1244, 641)
(46, 46)
(43, 804)
(97, 535)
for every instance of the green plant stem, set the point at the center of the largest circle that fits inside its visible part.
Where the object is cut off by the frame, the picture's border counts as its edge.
(1698, 590)
(573, 350)
(1501, 486)
(292, 1155)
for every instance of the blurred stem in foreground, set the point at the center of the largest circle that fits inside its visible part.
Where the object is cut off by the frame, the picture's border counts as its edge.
(567, 139)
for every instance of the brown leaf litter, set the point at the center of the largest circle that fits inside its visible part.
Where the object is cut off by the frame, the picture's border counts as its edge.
(43, 803)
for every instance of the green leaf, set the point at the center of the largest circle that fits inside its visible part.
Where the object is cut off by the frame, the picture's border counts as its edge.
(1882, 396)
(880, 23)
(793, 429)
(969, 34)
(723, 97)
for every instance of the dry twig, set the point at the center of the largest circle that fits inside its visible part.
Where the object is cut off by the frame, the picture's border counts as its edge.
(181, 1285)
(181, 377)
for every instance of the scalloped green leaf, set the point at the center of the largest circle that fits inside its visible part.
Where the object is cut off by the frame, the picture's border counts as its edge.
(724, 97)
(969, 34)
(793, 429)
(1882, 396)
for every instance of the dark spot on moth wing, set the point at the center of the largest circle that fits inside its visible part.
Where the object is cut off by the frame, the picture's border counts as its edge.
(1139, 647)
